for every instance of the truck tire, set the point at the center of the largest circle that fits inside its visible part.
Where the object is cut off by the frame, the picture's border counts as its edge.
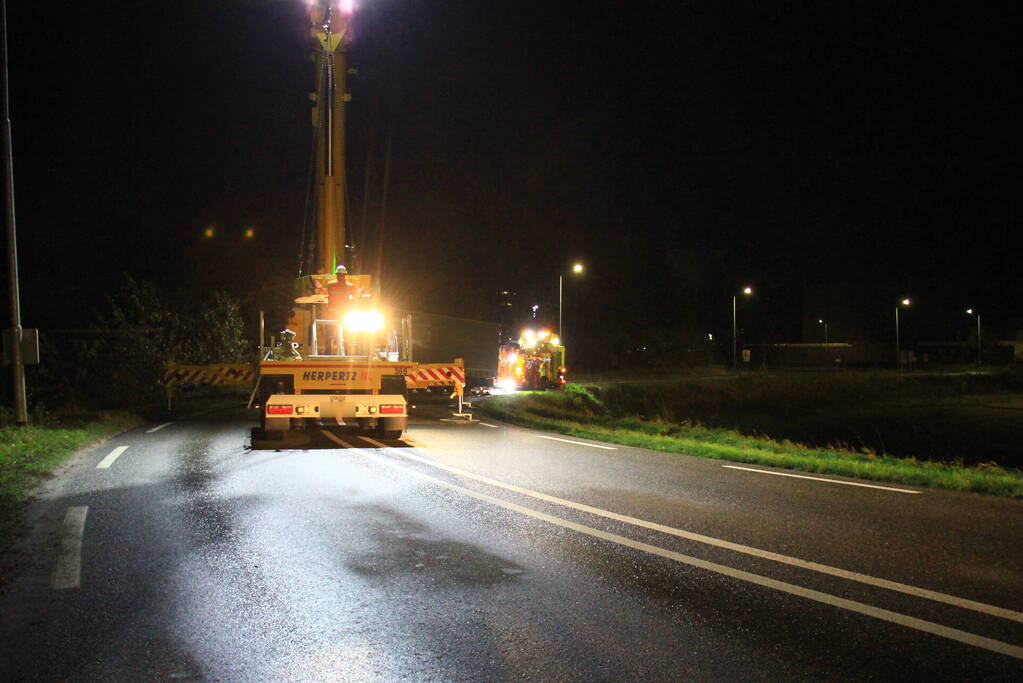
(391, 428)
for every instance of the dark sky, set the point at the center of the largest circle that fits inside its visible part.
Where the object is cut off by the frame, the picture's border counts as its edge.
(679, 149)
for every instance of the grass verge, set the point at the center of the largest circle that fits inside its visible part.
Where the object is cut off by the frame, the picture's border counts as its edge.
(576, 412)
(28, 454)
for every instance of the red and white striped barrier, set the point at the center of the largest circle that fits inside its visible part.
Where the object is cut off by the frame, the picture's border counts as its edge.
(436, 375)
(218, 374)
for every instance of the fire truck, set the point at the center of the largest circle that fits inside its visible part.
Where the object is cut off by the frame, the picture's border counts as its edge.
(342, 361)
(536, 361)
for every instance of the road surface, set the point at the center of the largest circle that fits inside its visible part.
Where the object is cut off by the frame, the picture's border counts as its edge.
(488, 552)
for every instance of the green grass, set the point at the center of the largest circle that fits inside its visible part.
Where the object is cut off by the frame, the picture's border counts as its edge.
(578, 412)
(29, 454)
(929, 417)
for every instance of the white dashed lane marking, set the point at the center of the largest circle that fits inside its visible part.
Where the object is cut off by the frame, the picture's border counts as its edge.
(113, 455)
(68, 571)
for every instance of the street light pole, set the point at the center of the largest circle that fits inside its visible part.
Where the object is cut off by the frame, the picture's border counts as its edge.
(821, 322)
(734, 359)
(576, 268)
(898, 352)
(969, 311)
(978, 339)
(735, 328)
(17, 361)
(561, 301)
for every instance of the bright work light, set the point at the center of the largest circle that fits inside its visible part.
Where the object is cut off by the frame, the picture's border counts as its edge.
(363, 321)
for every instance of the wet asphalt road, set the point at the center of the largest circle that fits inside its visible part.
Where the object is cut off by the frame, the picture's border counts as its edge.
(474, 552)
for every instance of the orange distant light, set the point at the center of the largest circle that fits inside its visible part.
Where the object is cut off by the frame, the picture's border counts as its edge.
(208, 232)
(249, 233)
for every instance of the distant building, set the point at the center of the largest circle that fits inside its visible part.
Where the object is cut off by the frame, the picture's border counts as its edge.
(508, 314)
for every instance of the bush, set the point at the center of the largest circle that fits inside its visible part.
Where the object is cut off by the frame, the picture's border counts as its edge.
(121, 359)
(581, 398)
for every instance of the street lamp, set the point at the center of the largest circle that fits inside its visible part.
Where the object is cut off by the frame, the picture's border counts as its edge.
(577, 268)
(970, 311)
(898, 352)
(747, 291)
(821, 322)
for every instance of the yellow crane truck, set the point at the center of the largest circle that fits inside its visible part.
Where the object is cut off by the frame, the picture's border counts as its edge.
(341, 362)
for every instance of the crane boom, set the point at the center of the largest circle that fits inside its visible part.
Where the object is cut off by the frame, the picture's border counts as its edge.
(331, 27)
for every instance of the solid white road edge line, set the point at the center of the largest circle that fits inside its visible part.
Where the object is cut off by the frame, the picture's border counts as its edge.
(792, 589)
(67, 573)
(577, 443)
(736, 547)
(159, 427)
(491, 426)
(113, 455)
(830, 481)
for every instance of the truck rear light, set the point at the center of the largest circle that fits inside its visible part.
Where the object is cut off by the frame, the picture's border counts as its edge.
(279, 409)
(393, 409)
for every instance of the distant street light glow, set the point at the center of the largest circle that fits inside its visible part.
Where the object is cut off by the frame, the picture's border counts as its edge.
(208, 232)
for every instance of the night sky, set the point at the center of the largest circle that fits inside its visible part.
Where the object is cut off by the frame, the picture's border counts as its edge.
(681, 150)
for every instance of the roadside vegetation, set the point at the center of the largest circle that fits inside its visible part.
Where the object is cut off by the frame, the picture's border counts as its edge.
(30, 454)
(711, 419)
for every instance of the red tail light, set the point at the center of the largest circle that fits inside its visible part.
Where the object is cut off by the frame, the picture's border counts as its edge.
(279, 410)
(393, 409)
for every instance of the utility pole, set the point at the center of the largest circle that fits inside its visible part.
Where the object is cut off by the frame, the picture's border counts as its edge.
(17, 364)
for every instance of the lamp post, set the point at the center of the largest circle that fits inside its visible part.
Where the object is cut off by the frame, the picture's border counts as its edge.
(898, 353)
(970, 311)
(747, 291)
(17, 358)
(576, 268)
(821, 322)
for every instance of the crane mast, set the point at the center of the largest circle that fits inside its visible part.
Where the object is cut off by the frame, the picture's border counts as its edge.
(331, 28)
